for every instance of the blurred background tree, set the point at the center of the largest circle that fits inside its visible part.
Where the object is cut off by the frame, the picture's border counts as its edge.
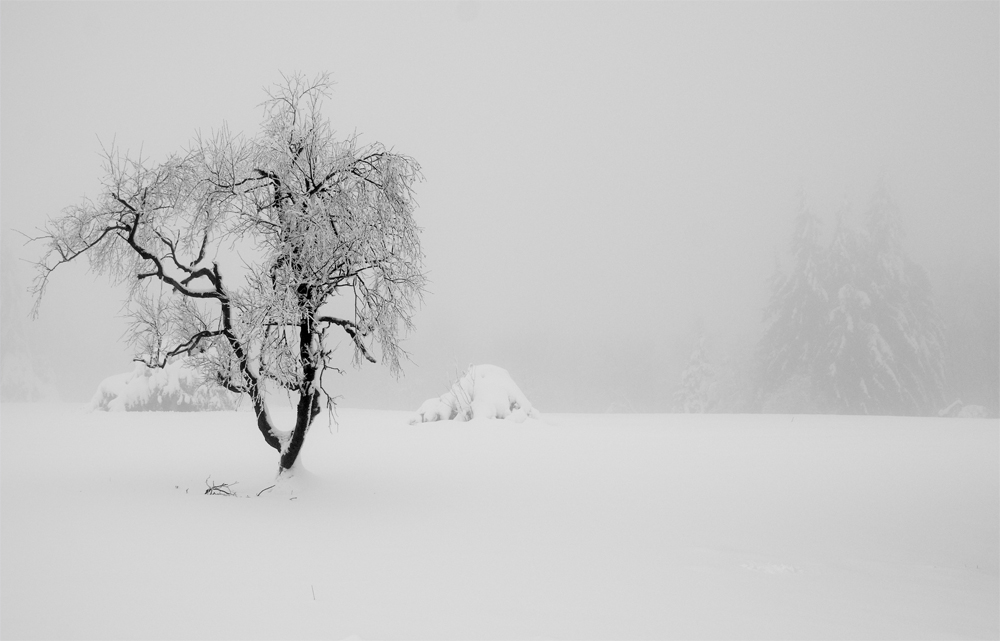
(852, 327)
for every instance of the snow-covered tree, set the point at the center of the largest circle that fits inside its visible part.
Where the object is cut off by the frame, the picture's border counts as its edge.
(796, 318)
(884, 354)
(733, 386)
(308, 217)
(695, 392)
(854, 324)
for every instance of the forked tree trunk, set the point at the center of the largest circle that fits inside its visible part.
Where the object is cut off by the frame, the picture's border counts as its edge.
(308, 405)
(305, 412)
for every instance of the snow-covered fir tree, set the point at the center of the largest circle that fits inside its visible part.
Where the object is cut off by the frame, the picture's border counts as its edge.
(856, 361)
(695, 392)
(853, 325)
(796, 318)
(884, 354)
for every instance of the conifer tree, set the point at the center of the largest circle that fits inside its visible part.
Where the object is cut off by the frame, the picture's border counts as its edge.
(694, 393)
(796, 318)
(855, 364)
(885, 349)
(856, 320)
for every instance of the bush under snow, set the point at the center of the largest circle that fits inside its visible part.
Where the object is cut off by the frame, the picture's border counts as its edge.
(484, 391)
(178, 387)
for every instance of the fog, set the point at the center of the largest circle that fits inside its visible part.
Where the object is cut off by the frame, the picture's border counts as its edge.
(602, 179)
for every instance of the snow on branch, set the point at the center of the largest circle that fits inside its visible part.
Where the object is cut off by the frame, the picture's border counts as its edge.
(352, 331)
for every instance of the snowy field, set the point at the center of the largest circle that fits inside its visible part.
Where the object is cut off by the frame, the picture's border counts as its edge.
(574, 526)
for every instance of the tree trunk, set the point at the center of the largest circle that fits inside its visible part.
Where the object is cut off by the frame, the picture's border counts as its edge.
(308, 405)
(305, 412)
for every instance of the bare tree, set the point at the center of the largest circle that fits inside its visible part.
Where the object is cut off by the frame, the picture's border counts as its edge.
(320, 218)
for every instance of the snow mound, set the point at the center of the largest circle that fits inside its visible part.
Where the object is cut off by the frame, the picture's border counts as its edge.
(296, 483)
(484, 391)
(958, 409)
(178, 387)
(973, 411)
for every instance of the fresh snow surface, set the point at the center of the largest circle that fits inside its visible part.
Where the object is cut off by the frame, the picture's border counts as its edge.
(577, 526)
(483, 392)
(176, 387)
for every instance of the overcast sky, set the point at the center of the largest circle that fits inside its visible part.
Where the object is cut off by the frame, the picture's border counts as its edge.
(599, 176)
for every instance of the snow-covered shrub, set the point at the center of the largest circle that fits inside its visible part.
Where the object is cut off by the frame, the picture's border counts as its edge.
(973, 411)
(178, 387)
(484, 391)
(958, 409)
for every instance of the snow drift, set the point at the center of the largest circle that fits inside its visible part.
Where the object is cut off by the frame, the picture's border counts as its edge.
(484, 391)
(178, 387)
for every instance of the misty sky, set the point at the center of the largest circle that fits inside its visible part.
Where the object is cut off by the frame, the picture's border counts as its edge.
(600, 177)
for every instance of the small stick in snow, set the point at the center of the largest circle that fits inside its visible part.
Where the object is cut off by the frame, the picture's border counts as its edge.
(222, 488)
